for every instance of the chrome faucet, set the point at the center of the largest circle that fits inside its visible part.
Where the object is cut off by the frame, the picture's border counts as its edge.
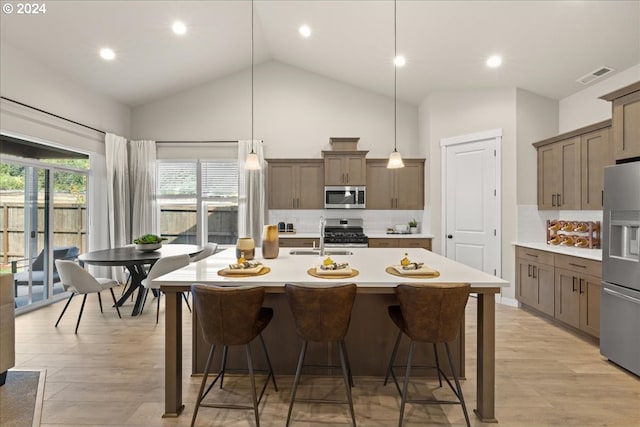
(322, 224)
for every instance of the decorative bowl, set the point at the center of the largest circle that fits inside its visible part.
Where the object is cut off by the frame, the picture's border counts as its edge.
(148, 247)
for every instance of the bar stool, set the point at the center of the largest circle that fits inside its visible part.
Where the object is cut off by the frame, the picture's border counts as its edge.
(322, 314)
(232, 316)
(429, 313)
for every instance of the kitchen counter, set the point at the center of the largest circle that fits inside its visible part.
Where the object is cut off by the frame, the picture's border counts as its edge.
(594, 254)
(378, 235)
(371, 333)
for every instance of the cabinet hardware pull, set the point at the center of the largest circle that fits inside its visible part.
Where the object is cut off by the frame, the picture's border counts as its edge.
(602, 198)
(553, 200)
(559, 200)
(535, 271)
(573, 284)
(529, 270)
(581, 291)
(577, 265)
(533, 255)
(347, 181)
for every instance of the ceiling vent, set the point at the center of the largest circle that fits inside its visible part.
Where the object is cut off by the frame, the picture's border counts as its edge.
(595, 75)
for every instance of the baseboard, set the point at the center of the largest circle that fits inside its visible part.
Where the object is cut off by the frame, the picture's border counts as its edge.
(511, 302)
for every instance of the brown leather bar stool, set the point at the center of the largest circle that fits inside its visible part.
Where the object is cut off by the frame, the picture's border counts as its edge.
(322, 314)
(232, 316)
(429, 313)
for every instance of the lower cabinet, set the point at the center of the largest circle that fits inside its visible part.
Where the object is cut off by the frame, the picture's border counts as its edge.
(298, 242)
(564, 287)
(418, 242)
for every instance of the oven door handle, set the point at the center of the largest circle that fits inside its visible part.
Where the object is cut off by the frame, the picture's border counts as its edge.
(623, 296)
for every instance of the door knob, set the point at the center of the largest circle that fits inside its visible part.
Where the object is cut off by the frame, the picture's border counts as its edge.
(449, 236)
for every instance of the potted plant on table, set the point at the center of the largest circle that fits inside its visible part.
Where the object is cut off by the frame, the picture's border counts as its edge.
(149, 242)
(413, 226)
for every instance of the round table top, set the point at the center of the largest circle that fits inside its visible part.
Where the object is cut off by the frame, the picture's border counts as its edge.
(128, 255)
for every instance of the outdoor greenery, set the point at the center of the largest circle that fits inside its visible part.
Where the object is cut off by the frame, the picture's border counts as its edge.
(12, 178)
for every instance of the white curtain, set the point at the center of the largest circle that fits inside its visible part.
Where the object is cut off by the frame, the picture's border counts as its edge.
(117, 194)
(251, 193)
(142, 173)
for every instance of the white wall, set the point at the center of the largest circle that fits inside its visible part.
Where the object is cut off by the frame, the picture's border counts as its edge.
(296, 112)
(463, 112)
(30, 82)
(584, 108)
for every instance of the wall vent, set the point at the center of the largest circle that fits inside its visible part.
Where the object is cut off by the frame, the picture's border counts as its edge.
(595, 75)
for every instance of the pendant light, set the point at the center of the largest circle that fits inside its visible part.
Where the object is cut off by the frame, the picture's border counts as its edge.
(395, 159)
(252, 162)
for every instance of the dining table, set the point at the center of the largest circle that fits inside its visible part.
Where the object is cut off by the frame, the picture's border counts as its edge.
(136, 262)
(371, 335)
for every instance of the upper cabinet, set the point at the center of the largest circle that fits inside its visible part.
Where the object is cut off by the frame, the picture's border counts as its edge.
(571, 168)
(626, 121)
(395, 188)
(295, 184)
(345, 167)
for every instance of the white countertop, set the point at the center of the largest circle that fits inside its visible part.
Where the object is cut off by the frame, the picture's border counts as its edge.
(380, 235)
(594, 254)
(370, 262)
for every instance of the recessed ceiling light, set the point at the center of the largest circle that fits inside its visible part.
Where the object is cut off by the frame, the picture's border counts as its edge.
(399, 61)
(179, 28)
(107, 54)
(494, 61)
(305, 31)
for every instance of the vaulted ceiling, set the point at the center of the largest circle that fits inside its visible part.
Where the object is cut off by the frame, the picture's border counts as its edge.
(545, 45)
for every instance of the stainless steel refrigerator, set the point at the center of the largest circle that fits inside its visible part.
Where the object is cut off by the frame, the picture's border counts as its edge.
(620, 306)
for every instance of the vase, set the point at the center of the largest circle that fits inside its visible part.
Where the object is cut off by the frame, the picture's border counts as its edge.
(270, 242)
(245, 248)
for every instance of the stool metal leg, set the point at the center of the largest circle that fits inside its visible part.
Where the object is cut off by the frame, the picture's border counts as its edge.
(346, 358)
(435, 352)
(253, 385)
(455, 378)
(202, 385)
(223, 366)
(393, 357)
(296, 380)
(406, 383)
(347, 381)
(266, 356)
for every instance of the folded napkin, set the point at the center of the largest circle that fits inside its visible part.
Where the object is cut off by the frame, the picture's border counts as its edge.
(344, 269)
(249, 267)
(422, 270)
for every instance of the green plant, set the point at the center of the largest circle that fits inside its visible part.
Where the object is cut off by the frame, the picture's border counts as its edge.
(413, 223)
(148, 239)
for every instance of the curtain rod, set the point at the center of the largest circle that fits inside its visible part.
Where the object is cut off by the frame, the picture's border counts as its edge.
(201, 142)
(51, 114)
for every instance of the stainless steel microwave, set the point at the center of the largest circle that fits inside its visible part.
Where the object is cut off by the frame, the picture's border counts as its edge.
(344, 197)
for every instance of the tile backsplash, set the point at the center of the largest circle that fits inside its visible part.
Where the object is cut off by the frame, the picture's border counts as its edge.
(375, 221)
(532, 222)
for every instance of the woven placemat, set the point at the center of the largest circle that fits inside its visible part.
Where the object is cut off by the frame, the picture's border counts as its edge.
(312, 272)
(395, 272)
(225, 273)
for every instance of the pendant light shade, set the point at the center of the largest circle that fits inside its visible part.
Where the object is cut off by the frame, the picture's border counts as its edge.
(252, 162)
(395, 158)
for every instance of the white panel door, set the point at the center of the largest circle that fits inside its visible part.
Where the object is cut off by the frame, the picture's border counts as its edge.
(472, 209)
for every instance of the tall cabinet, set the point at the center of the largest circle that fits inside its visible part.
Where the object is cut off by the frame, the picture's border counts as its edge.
(295, 184)
(626, 121)
(395, 188)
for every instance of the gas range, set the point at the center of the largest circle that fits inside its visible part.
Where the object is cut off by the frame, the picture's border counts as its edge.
(341, 232)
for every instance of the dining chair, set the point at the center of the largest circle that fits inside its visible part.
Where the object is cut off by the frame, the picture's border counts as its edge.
(207, 250)
(161, 267)
(428, 313)
(79, 281)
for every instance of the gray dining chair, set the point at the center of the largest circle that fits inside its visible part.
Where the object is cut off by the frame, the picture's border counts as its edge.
(207, 250)
(163, 266)
(79, 281)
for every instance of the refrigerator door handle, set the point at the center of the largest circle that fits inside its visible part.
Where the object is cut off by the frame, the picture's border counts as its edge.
(618, 294)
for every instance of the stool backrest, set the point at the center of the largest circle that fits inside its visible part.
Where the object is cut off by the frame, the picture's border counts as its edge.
(228, 315)
(433, 312)
(321, 314)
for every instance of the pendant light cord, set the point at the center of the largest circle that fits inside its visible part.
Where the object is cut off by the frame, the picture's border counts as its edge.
(252, 62)
(395, 78)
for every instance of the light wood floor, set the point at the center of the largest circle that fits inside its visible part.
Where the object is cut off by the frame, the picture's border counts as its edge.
(111, 374)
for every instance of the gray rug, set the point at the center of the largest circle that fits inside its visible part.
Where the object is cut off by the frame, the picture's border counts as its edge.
(21, 398)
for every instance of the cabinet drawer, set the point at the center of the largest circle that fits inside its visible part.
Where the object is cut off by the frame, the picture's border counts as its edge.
(535, 255)
(414, 243)
(383, 243)
(579, 265)
(293, 242)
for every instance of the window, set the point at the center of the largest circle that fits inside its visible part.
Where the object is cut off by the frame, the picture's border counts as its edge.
(198, 201)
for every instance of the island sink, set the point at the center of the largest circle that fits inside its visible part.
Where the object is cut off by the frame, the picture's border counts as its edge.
(317, 252)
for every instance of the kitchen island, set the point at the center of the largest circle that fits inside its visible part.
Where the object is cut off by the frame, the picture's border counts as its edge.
(371, 333)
